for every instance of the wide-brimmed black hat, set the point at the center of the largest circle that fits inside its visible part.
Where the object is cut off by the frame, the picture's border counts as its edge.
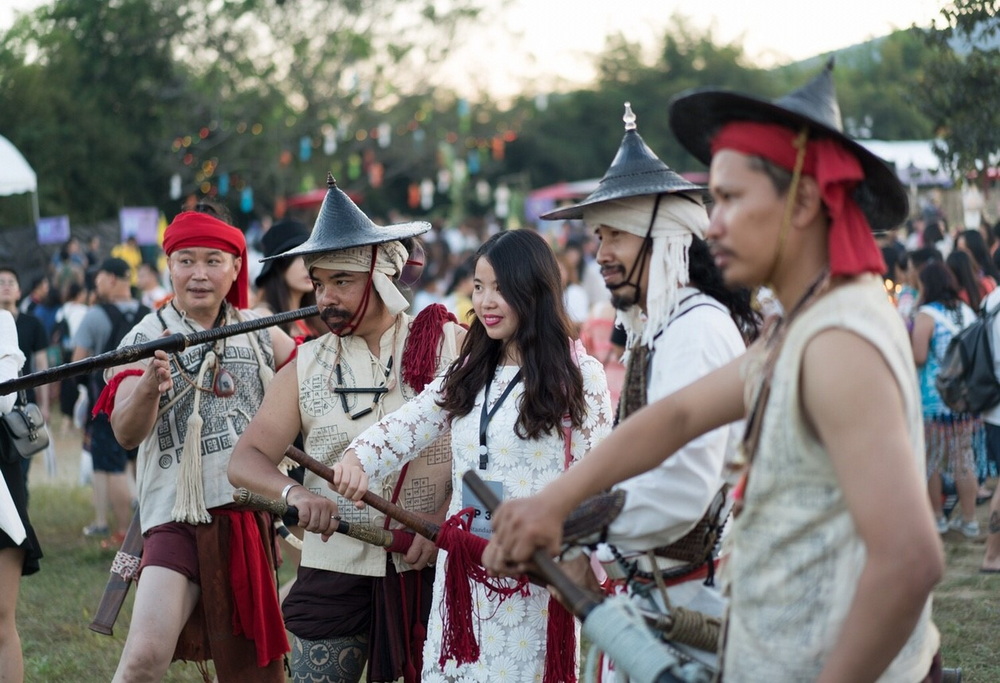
(696, 115)
(342, 225)
(635, 171)
(281, 237)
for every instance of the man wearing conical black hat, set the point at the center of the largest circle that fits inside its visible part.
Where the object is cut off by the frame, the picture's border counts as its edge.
(344, 609)
(833, 556)
(682, 323)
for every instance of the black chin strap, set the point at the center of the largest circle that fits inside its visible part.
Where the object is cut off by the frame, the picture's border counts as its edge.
(644, 255)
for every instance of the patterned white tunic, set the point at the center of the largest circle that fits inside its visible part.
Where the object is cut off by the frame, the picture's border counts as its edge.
(511, 638)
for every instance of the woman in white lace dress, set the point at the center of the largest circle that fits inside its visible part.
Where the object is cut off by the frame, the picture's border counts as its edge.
(519, 361)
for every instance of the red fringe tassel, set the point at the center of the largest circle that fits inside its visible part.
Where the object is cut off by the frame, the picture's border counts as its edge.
(420, 355)
(560, 645)
(105, 403)
(464, 565)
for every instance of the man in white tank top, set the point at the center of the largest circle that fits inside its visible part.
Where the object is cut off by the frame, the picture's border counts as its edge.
(834, 554)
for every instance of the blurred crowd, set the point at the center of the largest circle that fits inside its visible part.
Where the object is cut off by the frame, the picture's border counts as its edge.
(942, 279)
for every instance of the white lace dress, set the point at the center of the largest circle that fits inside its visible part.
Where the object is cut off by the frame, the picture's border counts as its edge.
(511, 638)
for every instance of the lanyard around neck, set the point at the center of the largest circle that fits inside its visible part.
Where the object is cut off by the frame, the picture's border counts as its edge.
(485, 416)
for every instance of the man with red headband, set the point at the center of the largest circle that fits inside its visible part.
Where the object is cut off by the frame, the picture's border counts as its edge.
(206, 588)
(833, 556)
(353, 603)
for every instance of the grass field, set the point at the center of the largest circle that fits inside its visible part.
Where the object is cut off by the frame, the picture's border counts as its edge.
(57, 603)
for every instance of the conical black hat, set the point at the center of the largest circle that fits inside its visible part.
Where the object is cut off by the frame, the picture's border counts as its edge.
(342, 225)
(636, 171)
(697, 114)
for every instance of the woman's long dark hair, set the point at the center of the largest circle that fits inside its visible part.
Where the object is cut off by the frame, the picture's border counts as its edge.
(528, 278)
(976, 245)
(938, 284)
(961, 266)
(277, 296)
(706, 276)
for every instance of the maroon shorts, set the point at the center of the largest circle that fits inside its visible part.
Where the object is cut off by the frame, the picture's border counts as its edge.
(173, 546)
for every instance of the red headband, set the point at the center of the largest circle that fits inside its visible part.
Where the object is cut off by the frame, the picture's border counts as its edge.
(192, 229)
(851, 245)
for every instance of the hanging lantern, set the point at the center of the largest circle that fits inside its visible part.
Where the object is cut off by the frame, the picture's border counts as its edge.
(354, 166)
(384, 135)
(483, 192)
(426, 194)
(329, 140)
(375, 174)
(501, 197)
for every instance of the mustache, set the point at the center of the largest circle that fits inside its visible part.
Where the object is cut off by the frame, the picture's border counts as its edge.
(331, 313)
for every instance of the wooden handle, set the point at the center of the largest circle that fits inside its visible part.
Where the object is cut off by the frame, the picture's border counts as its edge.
(366, 533)
(117, 587)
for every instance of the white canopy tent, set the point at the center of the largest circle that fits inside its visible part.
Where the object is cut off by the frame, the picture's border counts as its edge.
(16, 175)
(915, 161)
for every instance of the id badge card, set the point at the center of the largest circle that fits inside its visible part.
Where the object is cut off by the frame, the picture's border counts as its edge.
(481, 525)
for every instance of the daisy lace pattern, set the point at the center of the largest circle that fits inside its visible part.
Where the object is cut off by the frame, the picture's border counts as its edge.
(511, 635)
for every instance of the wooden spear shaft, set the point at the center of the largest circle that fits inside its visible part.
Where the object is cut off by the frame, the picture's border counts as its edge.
(428, 530)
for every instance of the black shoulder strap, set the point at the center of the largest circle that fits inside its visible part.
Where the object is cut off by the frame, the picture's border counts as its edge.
(681, 314)
(121, 322)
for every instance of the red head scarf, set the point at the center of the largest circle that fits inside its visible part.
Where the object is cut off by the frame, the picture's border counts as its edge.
(193, 229)
(851, 245)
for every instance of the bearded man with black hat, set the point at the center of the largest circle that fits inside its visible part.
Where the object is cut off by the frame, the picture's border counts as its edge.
(682, 322)
(344, 608)
(833, 556)
(207, 586)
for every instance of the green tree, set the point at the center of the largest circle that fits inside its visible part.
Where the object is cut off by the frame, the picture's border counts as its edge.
(114, 98)
(958, 91)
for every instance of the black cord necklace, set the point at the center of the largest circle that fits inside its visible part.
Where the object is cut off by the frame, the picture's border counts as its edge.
(223, 384)
(486, 415)
(343, 391)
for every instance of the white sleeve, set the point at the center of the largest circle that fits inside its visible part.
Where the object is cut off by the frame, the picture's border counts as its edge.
(665, 503)
(599, 418)
(401, 435)
(11, 358)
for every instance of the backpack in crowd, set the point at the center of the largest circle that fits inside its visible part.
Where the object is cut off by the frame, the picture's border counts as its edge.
(122, 323)
(967, 382)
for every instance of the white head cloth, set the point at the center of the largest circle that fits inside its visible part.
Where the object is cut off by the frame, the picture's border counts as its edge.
(389, 262)
(677, 219)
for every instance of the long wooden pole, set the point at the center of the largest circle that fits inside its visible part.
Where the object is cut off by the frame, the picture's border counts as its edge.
(129, 354)
(428, 530)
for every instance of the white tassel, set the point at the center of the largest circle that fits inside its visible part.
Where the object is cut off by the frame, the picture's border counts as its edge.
(264, 371)
(189, 504)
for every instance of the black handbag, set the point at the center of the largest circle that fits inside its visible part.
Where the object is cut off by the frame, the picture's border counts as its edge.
(25, 427)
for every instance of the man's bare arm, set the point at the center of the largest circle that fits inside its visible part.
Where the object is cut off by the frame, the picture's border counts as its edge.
(640, 443)
(866, 434)
(261, 447)
(138, 399)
